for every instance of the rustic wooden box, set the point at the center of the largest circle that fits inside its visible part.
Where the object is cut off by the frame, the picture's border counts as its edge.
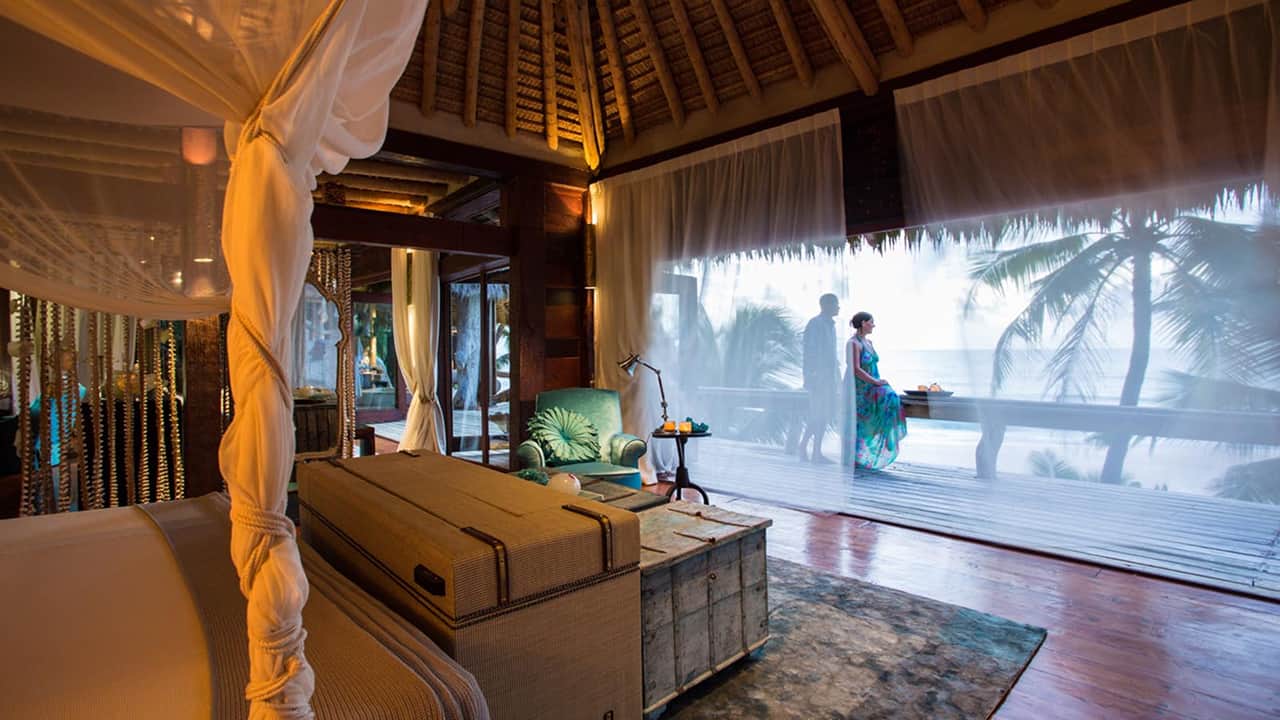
(704, 595)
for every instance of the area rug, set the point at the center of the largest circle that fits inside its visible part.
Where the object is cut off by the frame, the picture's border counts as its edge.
(843, 648)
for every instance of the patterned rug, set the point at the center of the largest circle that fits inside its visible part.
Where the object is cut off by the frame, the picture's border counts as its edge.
(843, 648)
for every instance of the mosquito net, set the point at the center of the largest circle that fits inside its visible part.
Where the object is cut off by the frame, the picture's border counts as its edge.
(163, 169)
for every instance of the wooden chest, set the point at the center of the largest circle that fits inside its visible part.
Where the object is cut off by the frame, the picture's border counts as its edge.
(704, 594)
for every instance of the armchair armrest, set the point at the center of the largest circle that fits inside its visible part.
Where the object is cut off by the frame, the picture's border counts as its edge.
(626, 450)
(529, 455)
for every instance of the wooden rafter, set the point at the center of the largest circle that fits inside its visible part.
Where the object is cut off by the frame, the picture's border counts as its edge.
(974, 13)
(617, 71)
(550, 105)
(659, 60)
(842, 39)
(695, 54)
(795, 48)
(593, 83)
(474, 36)
(897, 26)
(740, 58)
(450, 7)
(513, 64)
(1046, 4)
(430, 57)
(578, 62)
(859, 40)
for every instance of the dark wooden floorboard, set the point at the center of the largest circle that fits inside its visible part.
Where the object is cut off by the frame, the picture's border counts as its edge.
(1220, 543)
(1120, 645)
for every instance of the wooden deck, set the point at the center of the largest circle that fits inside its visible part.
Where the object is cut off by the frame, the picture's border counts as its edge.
(1220, 543)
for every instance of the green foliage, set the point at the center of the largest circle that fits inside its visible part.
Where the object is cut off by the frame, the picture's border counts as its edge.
(760, 348)
(1219, 302)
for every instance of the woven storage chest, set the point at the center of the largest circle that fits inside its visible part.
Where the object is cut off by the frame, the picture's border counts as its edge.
(531, 590)
(704, 594)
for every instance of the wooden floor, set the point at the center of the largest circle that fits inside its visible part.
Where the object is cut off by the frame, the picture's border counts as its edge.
(1120, 645)
(1221, 543)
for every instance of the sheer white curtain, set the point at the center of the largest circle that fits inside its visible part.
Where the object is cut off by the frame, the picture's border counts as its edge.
(303, 87)
(1172, 102)
(775, 189)
(415, 313)
(1120, 189)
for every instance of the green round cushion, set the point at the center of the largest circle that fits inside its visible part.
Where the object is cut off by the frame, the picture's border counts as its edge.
(565, 436)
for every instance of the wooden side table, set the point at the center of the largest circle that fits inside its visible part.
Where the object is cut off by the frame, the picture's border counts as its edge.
(682, 472)
(704, 595)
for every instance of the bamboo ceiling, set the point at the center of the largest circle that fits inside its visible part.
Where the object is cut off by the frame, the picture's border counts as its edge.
(621, 67)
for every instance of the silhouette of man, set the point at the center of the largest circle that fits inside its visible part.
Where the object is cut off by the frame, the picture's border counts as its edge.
(821, 375)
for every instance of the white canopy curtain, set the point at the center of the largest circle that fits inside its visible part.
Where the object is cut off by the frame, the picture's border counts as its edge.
(303, 87)
(415, 297)
(779, 188)
(1173, 101)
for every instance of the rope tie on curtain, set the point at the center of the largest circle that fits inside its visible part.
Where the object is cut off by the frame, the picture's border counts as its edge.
(286, 642)
(266, 525)
(264, 354)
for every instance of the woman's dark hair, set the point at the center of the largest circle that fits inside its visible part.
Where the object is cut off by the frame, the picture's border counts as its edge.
(859, 318)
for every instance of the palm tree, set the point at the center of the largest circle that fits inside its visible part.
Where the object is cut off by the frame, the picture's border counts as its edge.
(1085, 278)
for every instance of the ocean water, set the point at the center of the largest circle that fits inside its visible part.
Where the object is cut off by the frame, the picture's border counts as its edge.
(1179, 465)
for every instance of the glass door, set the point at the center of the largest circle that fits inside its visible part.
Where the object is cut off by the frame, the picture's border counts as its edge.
(479, 367)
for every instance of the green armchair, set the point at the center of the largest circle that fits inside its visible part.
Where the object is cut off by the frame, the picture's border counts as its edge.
(620, 452)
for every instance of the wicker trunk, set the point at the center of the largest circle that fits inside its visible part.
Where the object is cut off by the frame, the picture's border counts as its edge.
(530, 590)
(704, 594)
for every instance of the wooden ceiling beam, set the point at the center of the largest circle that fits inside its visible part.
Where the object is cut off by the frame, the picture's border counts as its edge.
(694, 52)
(897, 26)
(842, 39)
(859, 40)
(430, 58)
(795, 48)
(432, 190)
(513, 64)
(550, 106)
(474, 37)
(579, 64)
(740, 58)
(593, 82)
(659, 60)
(1046, 4)
(974, 14)
(366, 227)
(450, 7)
(617, 70)
(375, 168)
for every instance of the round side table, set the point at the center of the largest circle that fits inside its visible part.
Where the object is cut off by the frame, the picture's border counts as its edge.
(682, 472)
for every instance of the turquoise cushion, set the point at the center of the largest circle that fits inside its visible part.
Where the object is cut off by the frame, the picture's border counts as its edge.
(613, 473)
(565, 436)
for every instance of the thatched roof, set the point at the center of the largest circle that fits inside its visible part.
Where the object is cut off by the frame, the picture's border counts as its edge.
(650, 62)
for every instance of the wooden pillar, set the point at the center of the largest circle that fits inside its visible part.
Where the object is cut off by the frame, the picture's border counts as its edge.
(202, 408)
(523, 213)
(989, 450)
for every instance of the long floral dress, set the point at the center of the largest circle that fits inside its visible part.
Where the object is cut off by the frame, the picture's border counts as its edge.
(874, 420)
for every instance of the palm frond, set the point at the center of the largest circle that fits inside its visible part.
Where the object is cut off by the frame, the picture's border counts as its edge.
(1083, 277)
(1046, 463)
(1022, 266)
(1253, 482)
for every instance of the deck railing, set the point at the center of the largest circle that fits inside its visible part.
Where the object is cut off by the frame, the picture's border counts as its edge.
(994, 416)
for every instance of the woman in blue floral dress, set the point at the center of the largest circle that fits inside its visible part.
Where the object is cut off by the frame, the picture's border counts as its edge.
(875, 423)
